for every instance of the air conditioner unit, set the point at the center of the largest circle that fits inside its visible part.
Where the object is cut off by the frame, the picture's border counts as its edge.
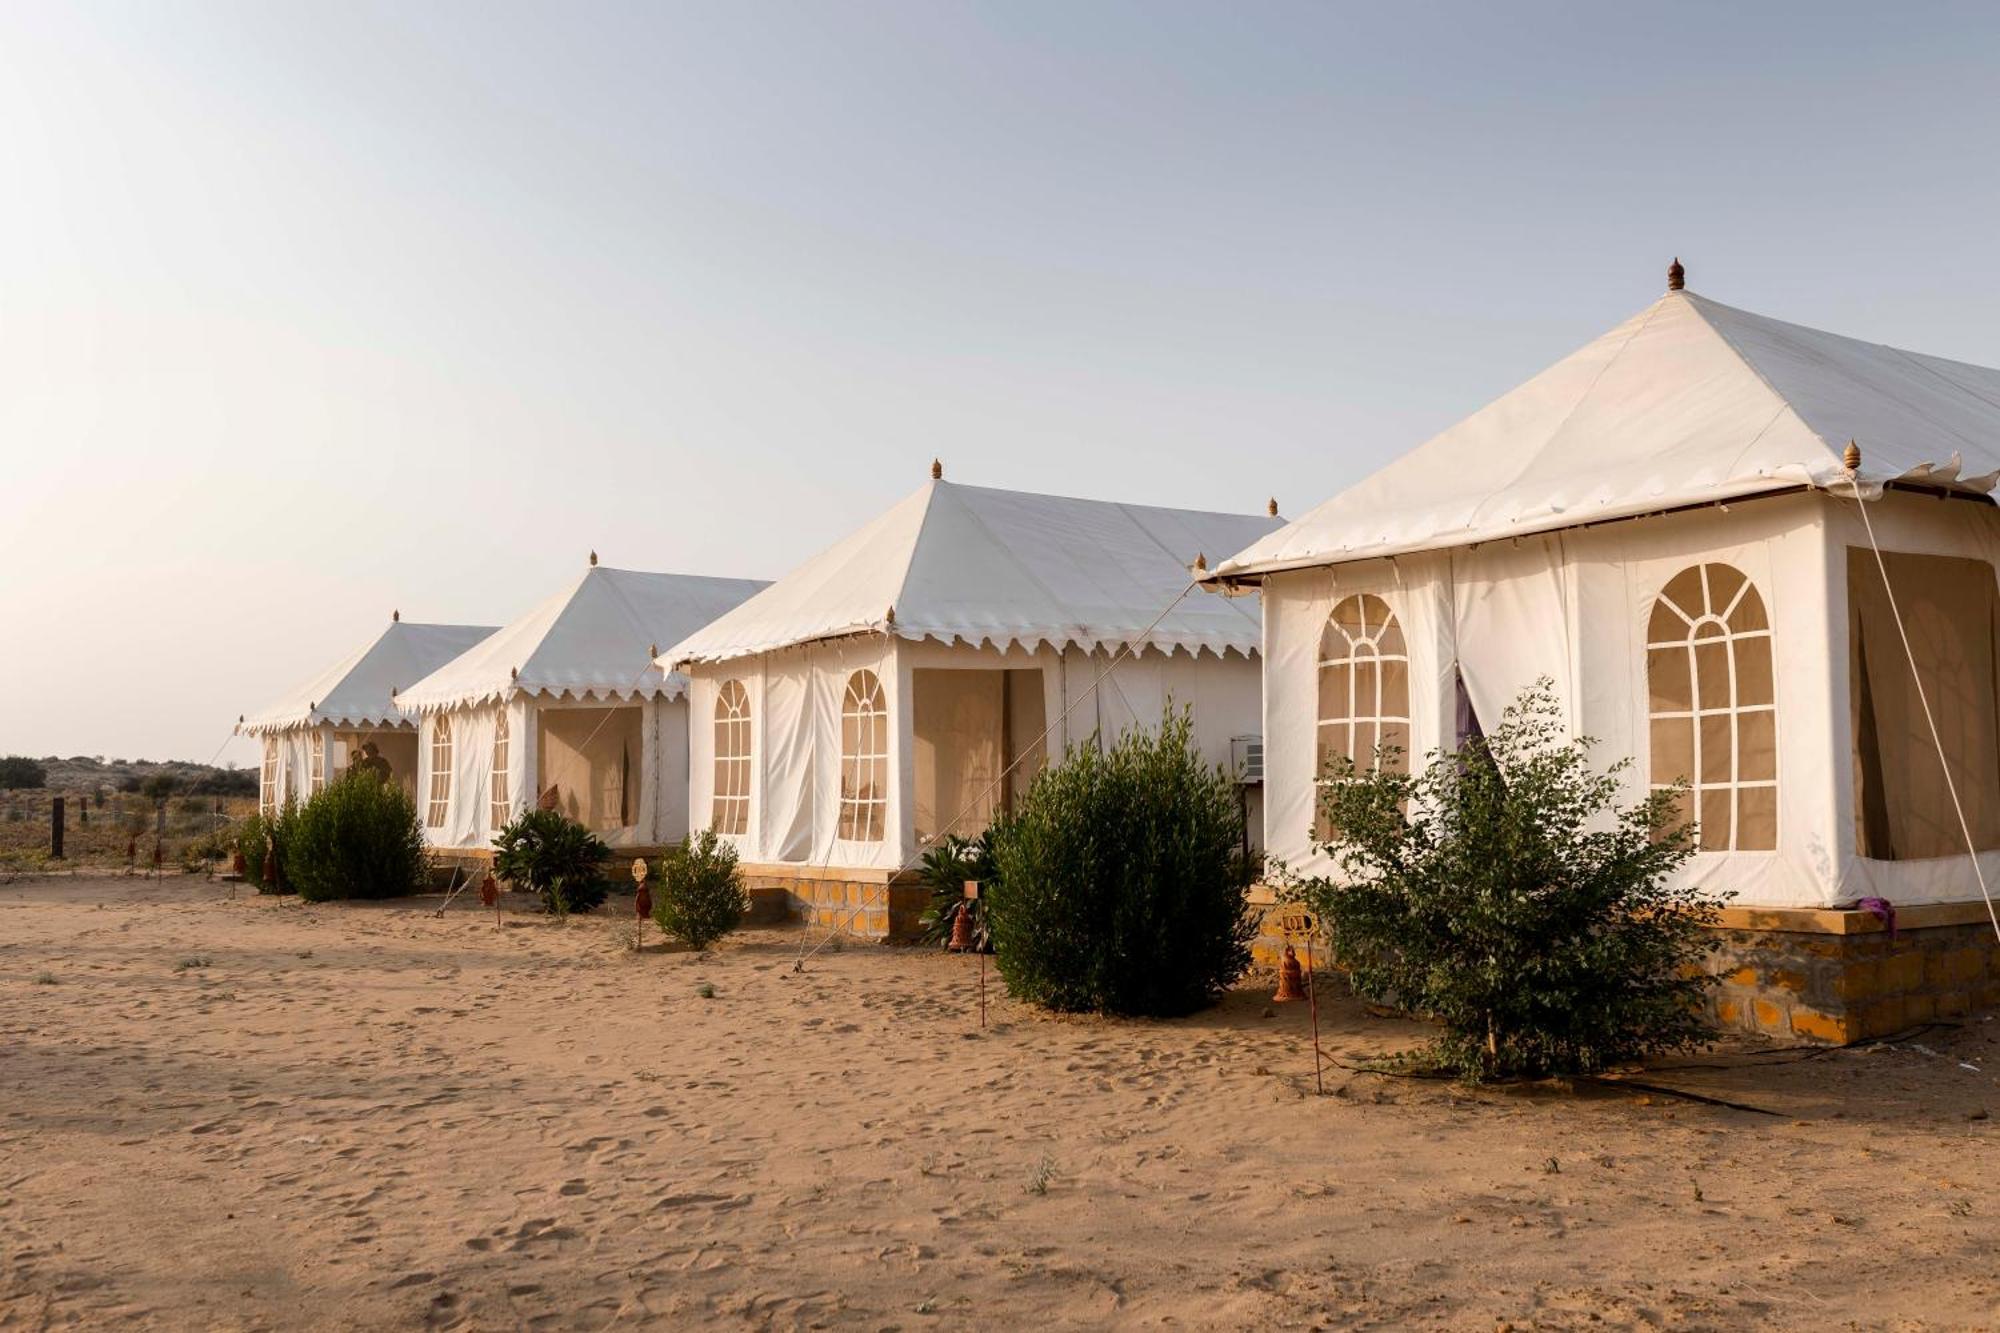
(1246, 756)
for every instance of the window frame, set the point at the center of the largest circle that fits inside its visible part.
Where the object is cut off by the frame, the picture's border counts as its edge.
(499, 807)
(267, 777)
(1371, 638)
(316, 763)
(437, 803)
(1723, 643)
(735, 739)
(864, 703)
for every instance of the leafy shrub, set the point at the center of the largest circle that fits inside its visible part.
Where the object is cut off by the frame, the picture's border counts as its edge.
(1121, 880)
(1504, 892)
(261, 833)
(20, 771)
(552, 855)
(945, 869)
(357, 837)
(700, 898)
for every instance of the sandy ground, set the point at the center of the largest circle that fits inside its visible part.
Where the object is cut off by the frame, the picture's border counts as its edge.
(250, 1113)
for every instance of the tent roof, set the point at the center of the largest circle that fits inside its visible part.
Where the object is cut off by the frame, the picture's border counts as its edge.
(359, 691)
(969, 563)
(594, 639)
(1686, 402)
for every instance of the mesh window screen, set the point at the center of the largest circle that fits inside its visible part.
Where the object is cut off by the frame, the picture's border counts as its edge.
(1364, 690)
(439, 802)
(1712, 708)
(498, 808)
(864, 760)
(730, 813)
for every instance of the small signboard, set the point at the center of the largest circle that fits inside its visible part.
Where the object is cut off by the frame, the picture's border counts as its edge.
(1297, 925)
(639, 871)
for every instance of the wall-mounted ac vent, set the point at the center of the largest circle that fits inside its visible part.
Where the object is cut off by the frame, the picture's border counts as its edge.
(1246, 756)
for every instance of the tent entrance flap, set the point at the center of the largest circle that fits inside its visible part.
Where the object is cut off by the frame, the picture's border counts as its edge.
(967, 725)
(589, 765)
(1902, 807)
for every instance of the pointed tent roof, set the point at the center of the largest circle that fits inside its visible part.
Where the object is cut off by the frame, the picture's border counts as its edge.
(360, 690)
(973, 564)
(1688, 401)
(594, 639)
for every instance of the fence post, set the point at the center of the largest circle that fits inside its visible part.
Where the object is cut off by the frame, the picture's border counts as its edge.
(56, 829)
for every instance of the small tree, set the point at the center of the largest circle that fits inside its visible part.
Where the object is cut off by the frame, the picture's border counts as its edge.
(1119, 885)
(552, 855)
(1504, 892)
(357, 837)
(701, 896)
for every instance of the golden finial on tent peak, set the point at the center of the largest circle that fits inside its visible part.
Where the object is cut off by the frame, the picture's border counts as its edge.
(1201, 561)
(513, 673)
(652, 650)
(1677, 276)
(395, 617)
(890, 615)
(1851, 459)
(593, 560)
(937, 469)
(1272, 507)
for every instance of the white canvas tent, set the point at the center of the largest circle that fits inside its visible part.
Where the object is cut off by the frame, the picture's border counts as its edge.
(565, 707)
(310, 735)
(868, 701)
(1662, 524)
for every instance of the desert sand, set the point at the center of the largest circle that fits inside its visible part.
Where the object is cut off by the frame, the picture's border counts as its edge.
(244, 1112)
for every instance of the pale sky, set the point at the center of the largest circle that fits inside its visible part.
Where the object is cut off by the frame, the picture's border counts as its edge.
(308, 312)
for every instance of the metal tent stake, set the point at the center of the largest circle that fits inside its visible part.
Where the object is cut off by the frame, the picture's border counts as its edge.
(1312, 1002)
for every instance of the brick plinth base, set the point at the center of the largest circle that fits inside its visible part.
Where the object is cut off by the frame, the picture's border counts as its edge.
(1836, 976)
(868, 904)
(1827, 975)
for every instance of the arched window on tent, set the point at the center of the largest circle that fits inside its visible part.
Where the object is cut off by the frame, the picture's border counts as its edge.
(730, 813)
(1712, 705)
(1364, 690)
(440, 790)
(864, 760)
(498, 808)
(316, 768)
(267, 779)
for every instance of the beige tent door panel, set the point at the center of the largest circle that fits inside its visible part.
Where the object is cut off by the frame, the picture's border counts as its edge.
(589, 765)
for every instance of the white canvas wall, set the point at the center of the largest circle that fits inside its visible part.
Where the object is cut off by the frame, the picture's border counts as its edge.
(1574, 606)
(795, 699)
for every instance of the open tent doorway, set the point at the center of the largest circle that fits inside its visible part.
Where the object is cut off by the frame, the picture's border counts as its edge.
(968, 726)
(591, 765)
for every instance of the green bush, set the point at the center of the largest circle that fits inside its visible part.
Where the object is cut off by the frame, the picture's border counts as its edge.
(357, 837)
(19, 771)
(1504, 892)
(1120, 881)
(261, 833)
(944, 869)
(700, 896)
(550, 854)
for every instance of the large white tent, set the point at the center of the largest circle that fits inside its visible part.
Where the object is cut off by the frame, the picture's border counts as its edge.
(1662, 523)
(311, 734)
(565, 708)
(869, 701)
